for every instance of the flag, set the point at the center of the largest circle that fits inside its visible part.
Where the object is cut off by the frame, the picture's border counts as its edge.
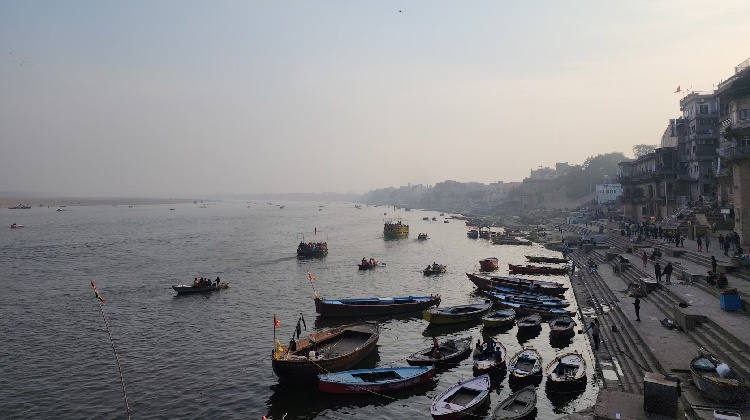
(298, 330)
(276, 323)
(312, 278)
(678, 89)
(303, 320)
(278, 346)
(315, 293)
(96, 292)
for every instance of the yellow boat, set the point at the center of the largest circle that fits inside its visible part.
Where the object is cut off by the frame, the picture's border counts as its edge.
(394, 228)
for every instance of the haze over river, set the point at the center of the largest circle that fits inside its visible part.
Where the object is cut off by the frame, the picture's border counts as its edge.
(208, 356)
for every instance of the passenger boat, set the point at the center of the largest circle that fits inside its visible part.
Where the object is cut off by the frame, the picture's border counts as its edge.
(529, 322)
(566, 372)
(489, 358)
(527, 308)
(367, 265)
(507, 240)
(422, 236)
(434, 269)
(473, 233)
(395, 229)
(525, 365)
(487, 282)
(485, 233)
(550, 302)
(546, 259)
(184, 288)
(449, 352)
(488, 264)
(535, 269)
(330, 350)
(312, 249)
(376, 306)
(463, 400)
(517, 406)
(562, 327)
(378, 380)
(499, 318)
(434, 218)
(456, 314)
(16, 226)
(717, 380)
(425, 218)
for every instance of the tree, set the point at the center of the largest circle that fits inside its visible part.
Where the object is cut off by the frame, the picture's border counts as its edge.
(643, 149)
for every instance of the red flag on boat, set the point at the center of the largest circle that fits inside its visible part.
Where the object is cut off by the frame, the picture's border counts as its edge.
(312, 278)
(276, 323)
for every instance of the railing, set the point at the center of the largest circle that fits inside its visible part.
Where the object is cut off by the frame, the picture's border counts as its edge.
(736, 152)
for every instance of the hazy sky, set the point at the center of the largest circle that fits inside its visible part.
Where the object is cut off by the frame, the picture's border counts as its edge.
(182, 98)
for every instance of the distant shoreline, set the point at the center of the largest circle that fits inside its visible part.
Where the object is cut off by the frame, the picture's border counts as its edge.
(6, 202)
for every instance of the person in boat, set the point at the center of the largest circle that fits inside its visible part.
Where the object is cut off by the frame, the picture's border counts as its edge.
(292, 345)
(489, 346)
(364, 261)
(435, 348)
(195, 282)
(218, 280)
(372, 261)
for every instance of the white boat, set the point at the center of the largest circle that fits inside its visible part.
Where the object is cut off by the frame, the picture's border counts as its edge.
(465, 399)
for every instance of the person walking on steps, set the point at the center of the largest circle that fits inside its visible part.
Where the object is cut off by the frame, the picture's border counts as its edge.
(668, 272)
(594, 327)
(713, 263)
(706, 242)
(637, 305)
(700, 244)
(644, 257)
(657, 272)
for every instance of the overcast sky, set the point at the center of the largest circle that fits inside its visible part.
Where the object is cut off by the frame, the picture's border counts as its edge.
(195, 97)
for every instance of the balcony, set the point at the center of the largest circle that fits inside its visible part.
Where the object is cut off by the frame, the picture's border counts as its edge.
(733, 153)
(723, 172)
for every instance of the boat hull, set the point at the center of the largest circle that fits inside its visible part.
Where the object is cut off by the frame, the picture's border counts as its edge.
(488, 264)
(501, 318)
(185, 289)
(374, 306)
(566, 372)
(517, 406)
(451, 351)
(526, 365)
(353, 343)
(533, 269)
(462, 400)
(381, 380)
(487, 282)
(456, 314)
(726, 390)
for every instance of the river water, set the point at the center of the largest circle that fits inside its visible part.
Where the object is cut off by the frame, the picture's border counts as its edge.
(208, 356)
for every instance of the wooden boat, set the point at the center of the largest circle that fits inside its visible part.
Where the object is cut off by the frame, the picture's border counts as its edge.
(489, 358)
(456, 314)
(566, 372)
(449, 352)
(525, 308)
(473, 233)
(367, 265)
(507, 240)
(184, 288)
(562, 327)
(486, 282)
(522, 293)
(535, 269)
(485, 233)
(546, 259)
(529, 322)
(375, 306)
(395, 228)
(530, 300)
(517, 406)
(16, 226)
(378, 380)
(434, 218)
(434, 269)
(499, 318)
(525, 365)
(488, 264)
(729, 387)
(422, 237)
(465, 399)
(425, 218)
(445, 221)
(330, 350)
(313, 249)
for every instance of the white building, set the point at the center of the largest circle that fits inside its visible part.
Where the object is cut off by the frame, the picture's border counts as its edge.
(607, 193)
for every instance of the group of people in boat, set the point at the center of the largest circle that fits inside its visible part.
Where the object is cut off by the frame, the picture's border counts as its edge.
(433, 267)
(206, 282)
(370, 262)
(312, 246)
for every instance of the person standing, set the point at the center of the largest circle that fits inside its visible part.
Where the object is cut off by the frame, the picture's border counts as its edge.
(707, 242)
(677, 239)
(657, 271)
(668, 272)
(594, 328)
(713, 263)
(637, 305)
(700, 244)
(721, 242)
(644, 257)
(727, 244)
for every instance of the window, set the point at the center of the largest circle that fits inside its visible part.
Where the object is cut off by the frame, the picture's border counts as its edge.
(744, 114)
(703, 109)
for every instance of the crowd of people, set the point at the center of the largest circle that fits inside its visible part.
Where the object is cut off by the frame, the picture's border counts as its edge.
(312, 247)
(205, 282)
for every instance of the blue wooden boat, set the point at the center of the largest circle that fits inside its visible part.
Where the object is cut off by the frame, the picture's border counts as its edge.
(375, 380)
(375, 306)
(455, 314)
(545, 303)
(525, 308)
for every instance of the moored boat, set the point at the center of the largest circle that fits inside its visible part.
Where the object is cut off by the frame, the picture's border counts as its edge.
(525, 365)
(566, 372)
(535, 269)
(507, 240)
(489, 358)
(485, 233)
(550, 302)
(375, 306)
(456, 314)
(539, 259)
(529, 322)
(395, 229)
(330, 350)
(517, 406)
(465, 399)
(488, 264)
(499, 318)
(448, 352)
(486, 282)
(434, 269)
(527, 308)
(473, 233)
(717, 380)
(378, 380)
(562, 327)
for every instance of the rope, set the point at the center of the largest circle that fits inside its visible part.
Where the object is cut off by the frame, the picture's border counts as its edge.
(114, 350)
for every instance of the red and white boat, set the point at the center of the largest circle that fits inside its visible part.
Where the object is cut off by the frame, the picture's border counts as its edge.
(463, 400)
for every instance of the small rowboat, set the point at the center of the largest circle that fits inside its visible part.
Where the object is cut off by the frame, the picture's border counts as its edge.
(455, 314)
(432, 270)
(529, 322)
(525, 365)
(717, 380)
(566, 372)
(422, 237)
(374, 306)
(499, 318)
(556, 260)
(525, 308)
(489, 358)
(517, 406)
(488, 264)
(529, 300)
(184, 288)
(375, 380)
(16, 226)
(367, 265)
(535, 269)
(449, 352)
(562, 327)
(465, 399)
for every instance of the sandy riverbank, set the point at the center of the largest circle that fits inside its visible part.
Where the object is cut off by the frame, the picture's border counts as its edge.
(6, 202)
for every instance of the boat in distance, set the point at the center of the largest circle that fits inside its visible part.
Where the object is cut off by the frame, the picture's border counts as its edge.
(566, 372)
(378, 380)
(433, 269)
(463, 400)
(717, 379)
(536, 269)
(185, 288)
(395, 229)
(553, 260)
(375, 306)
(456, 314)
(330, 350)
(518, 405)
(488, 264)
(448, 352)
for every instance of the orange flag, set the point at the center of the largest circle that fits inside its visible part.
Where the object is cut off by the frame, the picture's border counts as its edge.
(276, 323)
(678, 89)
(312, 278)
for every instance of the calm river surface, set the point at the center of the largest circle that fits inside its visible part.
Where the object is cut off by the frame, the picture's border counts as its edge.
(208, 356)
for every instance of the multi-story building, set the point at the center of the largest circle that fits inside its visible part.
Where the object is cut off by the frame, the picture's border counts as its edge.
(608, 192)
(650, 185)
(696, 148)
